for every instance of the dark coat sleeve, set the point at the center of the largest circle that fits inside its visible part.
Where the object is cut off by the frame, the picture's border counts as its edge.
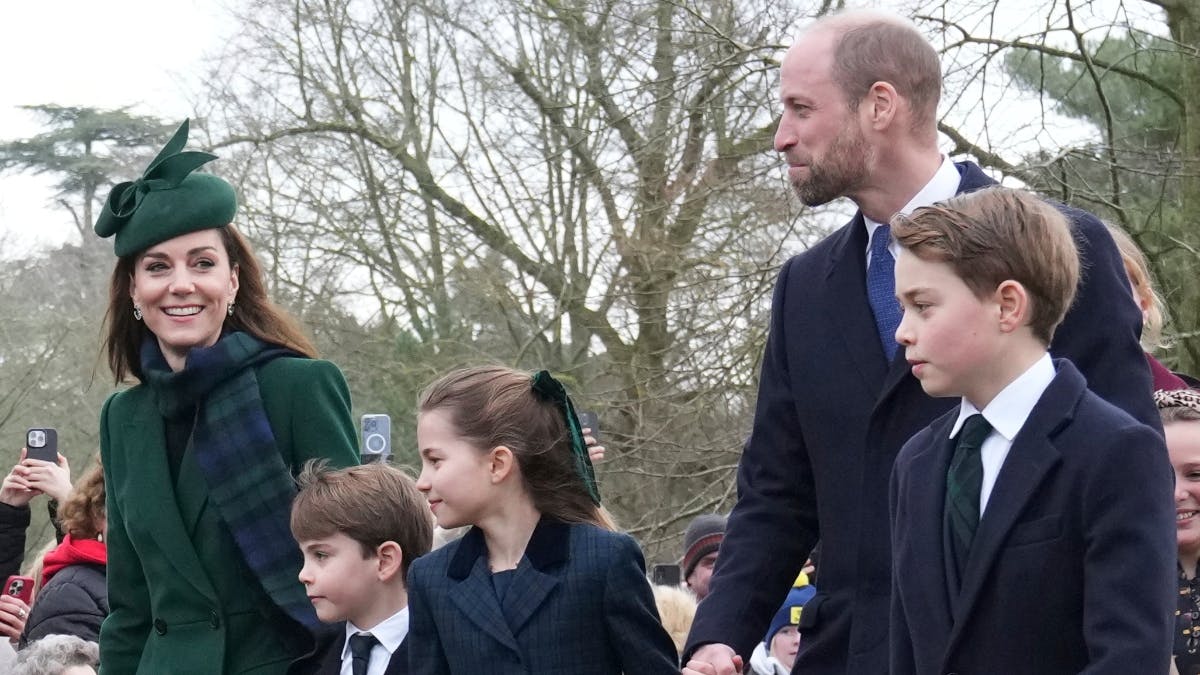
(1101, 334)
(14, 520)
(634, 628)
(776, 494)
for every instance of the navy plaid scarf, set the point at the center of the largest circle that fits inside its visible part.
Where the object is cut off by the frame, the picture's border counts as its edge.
(235, 449)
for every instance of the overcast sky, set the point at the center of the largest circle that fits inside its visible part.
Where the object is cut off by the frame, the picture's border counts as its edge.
(107, 54)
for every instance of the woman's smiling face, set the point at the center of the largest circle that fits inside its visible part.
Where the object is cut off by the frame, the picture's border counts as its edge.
(184, 287)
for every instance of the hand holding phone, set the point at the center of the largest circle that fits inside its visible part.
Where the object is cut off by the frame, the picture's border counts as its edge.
(20, 587)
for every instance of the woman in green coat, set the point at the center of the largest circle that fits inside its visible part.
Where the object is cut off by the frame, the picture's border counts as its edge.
(199, 456)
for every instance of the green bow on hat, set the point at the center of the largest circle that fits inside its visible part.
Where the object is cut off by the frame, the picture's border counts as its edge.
(167, 201)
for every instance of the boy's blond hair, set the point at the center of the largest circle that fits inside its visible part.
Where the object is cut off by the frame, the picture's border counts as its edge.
(371, 504)
(997, 234)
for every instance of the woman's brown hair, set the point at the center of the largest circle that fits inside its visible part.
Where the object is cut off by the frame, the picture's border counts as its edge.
(491, 406)
(254, 313)
(83, 512)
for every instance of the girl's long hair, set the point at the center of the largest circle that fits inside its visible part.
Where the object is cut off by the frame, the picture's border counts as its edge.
(491, 406)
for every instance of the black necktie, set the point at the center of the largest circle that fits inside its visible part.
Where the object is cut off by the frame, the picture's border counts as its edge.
(964, 481)
(360, 652)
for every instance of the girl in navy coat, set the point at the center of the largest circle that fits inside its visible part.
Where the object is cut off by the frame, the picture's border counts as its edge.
(541, 584)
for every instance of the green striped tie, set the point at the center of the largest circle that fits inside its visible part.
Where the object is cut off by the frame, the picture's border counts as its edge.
(964, 480)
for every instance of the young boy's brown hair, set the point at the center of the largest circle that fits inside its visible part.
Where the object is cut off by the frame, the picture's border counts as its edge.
(996, 234)
(371, 504)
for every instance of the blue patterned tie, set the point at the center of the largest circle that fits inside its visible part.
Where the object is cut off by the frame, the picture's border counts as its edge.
(881, 289)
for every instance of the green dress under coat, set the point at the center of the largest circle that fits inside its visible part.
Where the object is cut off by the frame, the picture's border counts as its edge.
(183, 599)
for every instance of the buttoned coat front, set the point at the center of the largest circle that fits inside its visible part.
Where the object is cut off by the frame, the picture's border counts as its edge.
(1073, 566)
(183, 601)
(578, 604)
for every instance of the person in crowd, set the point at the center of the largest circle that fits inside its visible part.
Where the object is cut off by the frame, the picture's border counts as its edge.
(28, 479)
(200, 456)
(701, 544)
(1180, 411)
(1030, 472)
(72, 598)
(676, 608)
(776, 654)
(836, 400)
(541, 582)
(58, 655)
(1141, 284)
(359, 529)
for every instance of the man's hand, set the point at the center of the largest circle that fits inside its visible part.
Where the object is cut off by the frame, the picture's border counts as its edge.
(714, 659)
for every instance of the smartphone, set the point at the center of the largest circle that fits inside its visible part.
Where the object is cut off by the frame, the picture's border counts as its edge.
(376, 438)
(590, 420)
(42, 443)
(665, 575)
(20, 587)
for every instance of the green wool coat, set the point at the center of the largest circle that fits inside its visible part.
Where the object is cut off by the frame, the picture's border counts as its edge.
(183, 600)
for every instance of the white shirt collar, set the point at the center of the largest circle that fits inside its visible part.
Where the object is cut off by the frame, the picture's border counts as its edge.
(390, 632)
(1010, 408)
(942, 186)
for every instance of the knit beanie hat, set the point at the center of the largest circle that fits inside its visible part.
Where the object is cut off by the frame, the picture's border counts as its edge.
(703, 536)
(789, 613)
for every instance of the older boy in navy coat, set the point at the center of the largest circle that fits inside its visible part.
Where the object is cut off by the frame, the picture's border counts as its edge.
(1032, 525)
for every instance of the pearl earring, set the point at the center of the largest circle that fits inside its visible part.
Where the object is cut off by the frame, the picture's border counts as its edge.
(137, 313)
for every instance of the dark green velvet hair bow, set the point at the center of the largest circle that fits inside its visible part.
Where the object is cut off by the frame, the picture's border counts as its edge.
(550, 389)
(167, 200)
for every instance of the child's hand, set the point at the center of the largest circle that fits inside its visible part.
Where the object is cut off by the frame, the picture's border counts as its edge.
(714, 659)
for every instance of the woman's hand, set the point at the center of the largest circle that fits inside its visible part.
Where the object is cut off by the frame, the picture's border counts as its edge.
(13, 613)
(15, 490)
(50, 478)
(595, 450)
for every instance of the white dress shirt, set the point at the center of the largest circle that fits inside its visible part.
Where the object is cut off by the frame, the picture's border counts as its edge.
(390, 633)
(1007, 414)
(941, 187)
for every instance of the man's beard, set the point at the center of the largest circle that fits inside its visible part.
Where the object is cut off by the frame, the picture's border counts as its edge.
(843, 169)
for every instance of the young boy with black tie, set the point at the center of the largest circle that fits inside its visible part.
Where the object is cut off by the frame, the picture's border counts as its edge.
(1032, 526)
(359, 529)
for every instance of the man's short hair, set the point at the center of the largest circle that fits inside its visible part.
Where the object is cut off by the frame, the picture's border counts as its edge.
(371, 504)
(872, 47)
(997, 234)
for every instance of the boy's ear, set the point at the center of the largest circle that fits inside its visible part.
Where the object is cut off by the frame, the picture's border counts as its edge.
(390, 558)
(1014, 303)
(501, 463)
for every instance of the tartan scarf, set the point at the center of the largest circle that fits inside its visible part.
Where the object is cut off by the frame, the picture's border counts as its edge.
(235, 450)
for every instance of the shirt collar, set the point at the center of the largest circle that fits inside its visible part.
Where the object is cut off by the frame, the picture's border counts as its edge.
(390, 632)
(942, 186)
(1011, 407)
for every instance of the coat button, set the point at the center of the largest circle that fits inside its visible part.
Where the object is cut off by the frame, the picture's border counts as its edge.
(214, 621)
(160, 626)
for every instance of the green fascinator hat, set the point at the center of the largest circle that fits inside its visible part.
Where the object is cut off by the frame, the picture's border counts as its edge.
(167, 201)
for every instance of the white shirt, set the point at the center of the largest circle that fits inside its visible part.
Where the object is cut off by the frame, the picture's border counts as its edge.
(390, 632)
(942, 186)
(1007, 414)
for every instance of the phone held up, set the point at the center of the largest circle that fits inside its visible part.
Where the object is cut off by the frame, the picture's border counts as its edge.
(376, 438)
(20, 587)
(590, 420)
(42, 443)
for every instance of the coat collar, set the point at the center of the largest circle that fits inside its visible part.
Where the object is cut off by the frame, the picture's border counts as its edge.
(144, 434)
(549, 545)
(1032, 456)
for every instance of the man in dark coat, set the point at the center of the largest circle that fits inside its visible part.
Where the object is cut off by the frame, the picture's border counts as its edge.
(837, 399)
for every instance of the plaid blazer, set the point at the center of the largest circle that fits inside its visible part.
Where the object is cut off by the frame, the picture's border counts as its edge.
(578, 604)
